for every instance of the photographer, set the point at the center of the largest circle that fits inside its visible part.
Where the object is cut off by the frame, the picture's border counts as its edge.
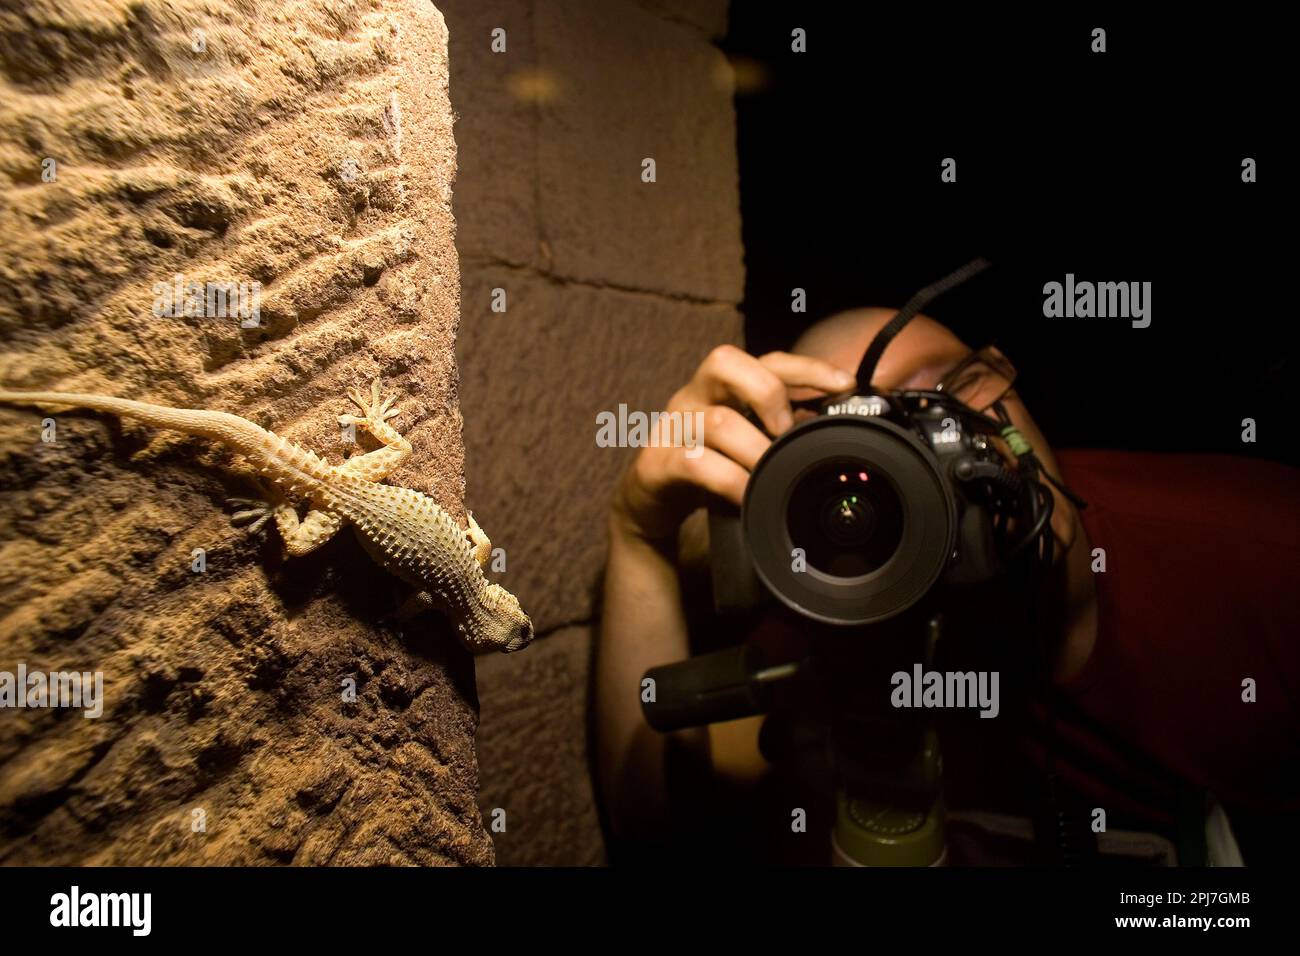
(693, 785)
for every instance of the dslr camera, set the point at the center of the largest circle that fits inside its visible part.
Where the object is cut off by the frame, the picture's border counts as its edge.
(857, 514)
(862, 520)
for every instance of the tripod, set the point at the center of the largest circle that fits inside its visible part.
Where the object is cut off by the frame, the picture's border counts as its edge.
(886, 761)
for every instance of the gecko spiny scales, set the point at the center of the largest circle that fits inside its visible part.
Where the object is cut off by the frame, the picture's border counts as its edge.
(406, 532)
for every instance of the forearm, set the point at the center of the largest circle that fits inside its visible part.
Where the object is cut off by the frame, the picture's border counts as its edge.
(642, 625)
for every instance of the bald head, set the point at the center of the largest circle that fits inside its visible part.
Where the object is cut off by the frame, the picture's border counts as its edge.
(919, 354)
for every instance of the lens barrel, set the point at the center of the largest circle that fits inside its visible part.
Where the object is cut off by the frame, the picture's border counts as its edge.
(848, 519)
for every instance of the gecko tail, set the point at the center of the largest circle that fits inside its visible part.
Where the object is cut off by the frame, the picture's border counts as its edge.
(238, 433)
(217, 425)
(99, 403)
(42, 398)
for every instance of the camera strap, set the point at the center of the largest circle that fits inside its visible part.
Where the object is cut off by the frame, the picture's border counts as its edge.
(867, 370)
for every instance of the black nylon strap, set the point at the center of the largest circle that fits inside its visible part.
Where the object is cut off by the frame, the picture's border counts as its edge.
(914, 305)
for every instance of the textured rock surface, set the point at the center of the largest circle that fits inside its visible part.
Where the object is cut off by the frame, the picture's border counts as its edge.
(541, 699)
(615, 289)
(305, 145)
(568, 352)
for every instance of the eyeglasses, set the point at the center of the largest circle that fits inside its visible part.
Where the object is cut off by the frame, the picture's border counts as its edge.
(980, 379)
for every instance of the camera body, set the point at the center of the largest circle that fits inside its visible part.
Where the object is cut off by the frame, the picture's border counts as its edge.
(858, 514)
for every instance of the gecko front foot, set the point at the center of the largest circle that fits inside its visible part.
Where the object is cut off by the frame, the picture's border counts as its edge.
(374, 411)
(478, 541)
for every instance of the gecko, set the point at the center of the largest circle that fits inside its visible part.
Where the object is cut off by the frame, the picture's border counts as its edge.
(404, 531)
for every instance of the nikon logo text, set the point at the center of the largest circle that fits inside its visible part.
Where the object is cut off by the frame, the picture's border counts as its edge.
(654, 430)
(857, 405)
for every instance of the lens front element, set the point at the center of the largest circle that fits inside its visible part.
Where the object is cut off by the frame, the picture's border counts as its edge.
(848, 520)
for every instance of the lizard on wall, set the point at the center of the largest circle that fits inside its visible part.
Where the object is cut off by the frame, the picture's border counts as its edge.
(405, 531)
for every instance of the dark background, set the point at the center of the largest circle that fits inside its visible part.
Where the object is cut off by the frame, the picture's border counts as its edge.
(1121, 166)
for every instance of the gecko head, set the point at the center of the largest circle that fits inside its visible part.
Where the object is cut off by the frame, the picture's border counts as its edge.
(514, 629)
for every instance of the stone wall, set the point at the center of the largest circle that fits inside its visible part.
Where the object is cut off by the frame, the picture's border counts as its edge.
(614, 290)
(305, 145)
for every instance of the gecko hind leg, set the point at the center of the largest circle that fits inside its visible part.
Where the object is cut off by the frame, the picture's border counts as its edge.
(414, 605)
(305, 536)
(378, 464)
(301, 536)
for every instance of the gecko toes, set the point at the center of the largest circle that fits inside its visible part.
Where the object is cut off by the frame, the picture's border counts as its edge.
(250, 512)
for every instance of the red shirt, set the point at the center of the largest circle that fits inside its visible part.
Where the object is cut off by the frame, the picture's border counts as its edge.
(1199, 594)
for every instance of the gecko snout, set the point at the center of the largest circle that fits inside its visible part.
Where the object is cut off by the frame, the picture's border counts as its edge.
(520, 636)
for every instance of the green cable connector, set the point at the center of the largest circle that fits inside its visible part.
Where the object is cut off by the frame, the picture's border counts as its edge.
(1017, 441)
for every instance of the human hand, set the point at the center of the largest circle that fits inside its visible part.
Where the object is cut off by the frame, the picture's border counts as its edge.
(664, 484)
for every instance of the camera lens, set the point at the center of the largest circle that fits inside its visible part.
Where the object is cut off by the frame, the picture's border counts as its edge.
(847, 519)
(846, 516)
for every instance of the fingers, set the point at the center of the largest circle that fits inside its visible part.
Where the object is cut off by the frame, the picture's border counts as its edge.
(733, 435)
(804, 371)
(720, 461)
(666, 481)
(703, 469)
(716, 473)
(731, 376)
